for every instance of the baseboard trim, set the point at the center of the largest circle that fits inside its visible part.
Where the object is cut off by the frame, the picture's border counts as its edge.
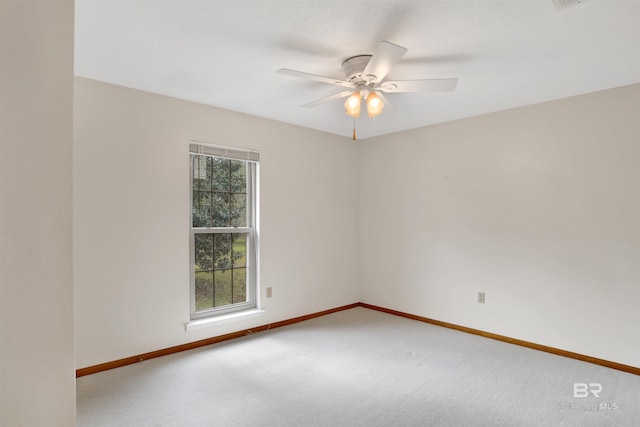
(201, 343)
(547, 349)
(220, 338)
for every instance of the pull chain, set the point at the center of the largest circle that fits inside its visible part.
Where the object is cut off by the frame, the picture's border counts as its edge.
(354, 128)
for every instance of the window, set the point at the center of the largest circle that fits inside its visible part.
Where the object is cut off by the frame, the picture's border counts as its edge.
(223, 230)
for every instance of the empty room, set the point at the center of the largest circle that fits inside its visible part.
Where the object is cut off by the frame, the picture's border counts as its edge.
(320, 213)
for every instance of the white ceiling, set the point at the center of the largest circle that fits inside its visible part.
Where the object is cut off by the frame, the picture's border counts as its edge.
(225, 53)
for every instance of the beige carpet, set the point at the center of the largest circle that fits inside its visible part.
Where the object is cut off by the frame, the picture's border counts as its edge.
(359, 368)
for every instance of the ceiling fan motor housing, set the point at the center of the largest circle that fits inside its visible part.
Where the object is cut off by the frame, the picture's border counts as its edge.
(353, 68)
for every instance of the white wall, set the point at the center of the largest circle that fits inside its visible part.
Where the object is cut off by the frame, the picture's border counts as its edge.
(37, 372)
(539, 207)
(131, 218)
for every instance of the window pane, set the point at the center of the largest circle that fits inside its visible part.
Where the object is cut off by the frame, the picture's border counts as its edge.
(220, 174)
(238, 176)
(238, 210)
(201, 211)
(197, 173)
(203, 250)
(204, 290)
(201, 168)
(220, 209)
(222, 287)
(222, 251)
(239, 250)
(239, 285)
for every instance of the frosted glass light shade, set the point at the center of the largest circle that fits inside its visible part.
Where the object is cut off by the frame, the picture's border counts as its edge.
(352, 105)
(374, 104)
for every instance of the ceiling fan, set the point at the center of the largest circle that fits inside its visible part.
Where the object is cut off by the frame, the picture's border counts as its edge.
(365, 80)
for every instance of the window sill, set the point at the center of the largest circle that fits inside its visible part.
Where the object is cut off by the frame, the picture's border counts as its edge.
(222, 319)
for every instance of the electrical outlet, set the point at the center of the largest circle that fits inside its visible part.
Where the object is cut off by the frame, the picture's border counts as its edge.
(481, 297)
(269, 292)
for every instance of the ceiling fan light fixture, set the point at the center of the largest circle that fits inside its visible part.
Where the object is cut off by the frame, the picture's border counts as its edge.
(374, 104)
(365, 79)
(352, 105)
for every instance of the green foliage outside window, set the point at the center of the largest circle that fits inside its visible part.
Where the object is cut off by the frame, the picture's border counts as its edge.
(219, 196)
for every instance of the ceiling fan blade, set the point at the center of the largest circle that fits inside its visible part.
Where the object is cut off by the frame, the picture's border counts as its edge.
(327, 99)
(424, 85)
(315, 77)
(387, 104)
(383, 59)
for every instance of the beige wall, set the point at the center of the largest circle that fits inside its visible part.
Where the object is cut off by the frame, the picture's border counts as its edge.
(539, 207)
(37, 378)
(131, 218)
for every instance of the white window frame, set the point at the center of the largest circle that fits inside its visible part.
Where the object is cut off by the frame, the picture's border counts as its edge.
(251, 230)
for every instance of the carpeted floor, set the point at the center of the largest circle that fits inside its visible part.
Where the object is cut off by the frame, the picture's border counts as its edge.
(359, 367)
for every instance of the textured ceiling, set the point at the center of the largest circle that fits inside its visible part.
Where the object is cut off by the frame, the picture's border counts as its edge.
(226, 53)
